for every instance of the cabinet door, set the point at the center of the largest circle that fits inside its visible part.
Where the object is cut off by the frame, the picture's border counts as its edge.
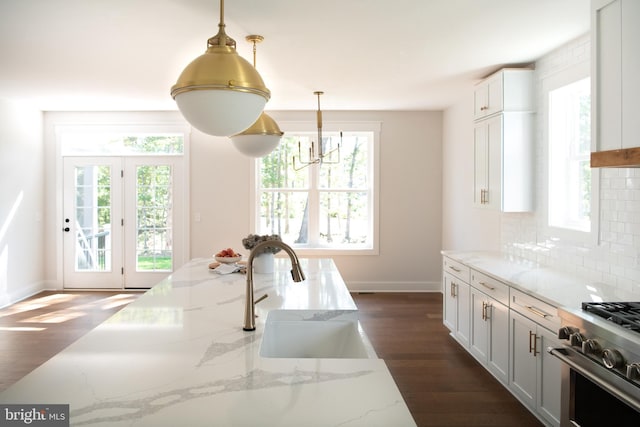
(498, 340)
(493, 198)
(488, 97)
(479, 332)
(630, 54)
(481, 163)
(607, 86)
(549, 380)
(450, 303)
(523, 363)
(464, 319)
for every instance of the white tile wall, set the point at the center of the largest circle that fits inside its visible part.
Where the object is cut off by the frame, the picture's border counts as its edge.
(615, 258)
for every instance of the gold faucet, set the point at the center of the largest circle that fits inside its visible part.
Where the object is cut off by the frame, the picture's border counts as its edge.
(296, 273)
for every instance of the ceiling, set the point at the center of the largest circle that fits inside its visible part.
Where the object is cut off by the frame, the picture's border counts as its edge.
(124, 55)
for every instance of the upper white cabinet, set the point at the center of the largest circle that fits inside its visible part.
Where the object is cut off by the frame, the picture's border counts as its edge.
(510, 89)
(503, 141)
(615, 80)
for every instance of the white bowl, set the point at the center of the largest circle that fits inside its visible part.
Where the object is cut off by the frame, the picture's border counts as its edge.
(228, 259)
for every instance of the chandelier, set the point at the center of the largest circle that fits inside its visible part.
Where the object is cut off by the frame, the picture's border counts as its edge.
(317, 155)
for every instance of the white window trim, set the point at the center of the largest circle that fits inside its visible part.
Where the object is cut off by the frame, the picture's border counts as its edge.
(333, 126)
(555, 81)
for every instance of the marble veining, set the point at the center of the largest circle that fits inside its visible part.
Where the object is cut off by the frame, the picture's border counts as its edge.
(177, 356)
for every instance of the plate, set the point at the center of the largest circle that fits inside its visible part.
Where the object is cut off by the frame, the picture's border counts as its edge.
(228, 259)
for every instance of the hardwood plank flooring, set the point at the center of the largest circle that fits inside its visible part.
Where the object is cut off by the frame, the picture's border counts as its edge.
(36, 329)
(441, 383)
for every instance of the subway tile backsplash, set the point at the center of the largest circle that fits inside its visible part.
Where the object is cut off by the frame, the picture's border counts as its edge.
(614, 256)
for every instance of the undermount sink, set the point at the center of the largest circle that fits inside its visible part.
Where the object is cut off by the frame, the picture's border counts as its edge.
(314, 334)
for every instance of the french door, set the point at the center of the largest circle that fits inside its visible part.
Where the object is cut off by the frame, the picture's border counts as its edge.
(123, 221)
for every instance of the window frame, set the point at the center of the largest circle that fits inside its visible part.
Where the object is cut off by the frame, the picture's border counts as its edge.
(331, 126)
(558, 80)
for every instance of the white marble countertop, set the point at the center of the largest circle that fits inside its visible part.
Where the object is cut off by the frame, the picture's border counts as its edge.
(178, 356)
(554, 287)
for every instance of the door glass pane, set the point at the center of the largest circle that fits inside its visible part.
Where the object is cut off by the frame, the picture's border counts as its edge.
(93, 218)
(154, 249)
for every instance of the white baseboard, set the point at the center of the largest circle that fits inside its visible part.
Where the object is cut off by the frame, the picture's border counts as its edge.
(21, 293)
(394, 286)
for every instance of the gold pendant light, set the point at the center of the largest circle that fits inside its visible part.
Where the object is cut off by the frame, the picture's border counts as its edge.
(264, 135)
(220, 93)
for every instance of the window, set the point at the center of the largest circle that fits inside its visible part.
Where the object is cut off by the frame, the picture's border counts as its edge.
(570, 182)
(324, 206)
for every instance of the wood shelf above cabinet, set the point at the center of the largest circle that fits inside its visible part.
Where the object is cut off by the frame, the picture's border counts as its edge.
(623, 158)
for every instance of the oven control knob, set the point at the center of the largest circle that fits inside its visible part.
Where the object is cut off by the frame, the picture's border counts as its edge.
(633, 371)
(591, 347)
(576, 339)
(612, 358)
(565, 332)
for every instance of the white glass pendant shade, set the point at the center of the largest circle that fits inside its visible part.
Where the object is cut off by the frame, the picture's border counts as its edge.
(220, 112)
(220, 93)
(260, 139)
(255, 145)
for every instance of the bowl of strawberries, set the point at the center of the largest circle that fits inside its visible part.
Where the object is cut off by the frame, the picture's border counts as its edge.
(227, 256)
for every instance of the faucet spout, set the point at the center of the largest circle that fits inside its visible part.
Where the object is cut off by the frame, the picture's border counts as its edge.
(296, 273)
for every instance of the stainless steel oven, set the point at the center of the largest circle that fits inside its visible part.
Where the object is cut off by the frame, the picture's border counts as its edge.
(600, 366)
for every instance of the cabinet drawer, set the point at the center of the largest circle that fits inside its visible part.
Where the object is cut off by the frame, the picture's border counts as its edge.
(490, 286)
(539, 311)
(456, 269)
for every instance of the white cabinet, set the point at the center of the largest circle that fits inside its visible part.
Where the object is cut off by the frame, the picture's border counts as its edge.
(489, 334)
(456, 300)
(510, 89)
(503, 162)
(535, 375)
(615, 74)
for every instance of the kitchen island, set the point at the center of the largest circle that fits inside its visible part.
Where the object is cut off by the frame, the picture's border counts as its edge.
(178, 356)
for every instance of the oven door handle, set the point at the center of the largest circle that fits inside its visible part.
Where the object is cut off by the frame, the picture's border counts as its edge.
(563, 354)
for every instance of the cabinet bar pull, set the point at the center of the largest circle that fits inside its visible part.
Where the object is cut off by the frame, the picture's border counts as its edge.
(457, 270)
(485, 311)
(531, 334)
(491, 288)
(453, 290)
(536, 311)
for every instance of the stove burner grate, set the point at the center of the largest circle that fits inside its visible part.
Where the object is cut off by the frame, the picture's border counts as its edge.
(625, 314)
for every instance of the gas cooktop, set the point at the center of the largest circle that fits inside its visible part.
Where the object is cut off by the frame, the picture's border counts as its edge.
(625, 314)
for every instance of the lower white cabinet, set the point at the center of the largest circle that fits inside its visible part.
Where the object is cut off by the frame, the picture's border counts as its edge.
(508, 332)
(456, 307)
(489, 335)
(535, 374)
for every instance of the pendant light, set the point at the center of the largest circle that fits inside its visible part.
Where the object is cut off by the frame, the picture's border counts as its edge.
(220, 93)
(264, 135)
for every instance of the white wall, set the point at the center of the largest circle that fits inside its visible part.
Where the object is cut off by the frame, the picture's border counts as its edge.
(21, 202)
(410, 196)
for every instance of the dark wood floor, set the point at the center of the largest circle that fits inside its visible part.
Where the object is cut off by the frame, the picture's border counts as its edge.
(441, 383)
